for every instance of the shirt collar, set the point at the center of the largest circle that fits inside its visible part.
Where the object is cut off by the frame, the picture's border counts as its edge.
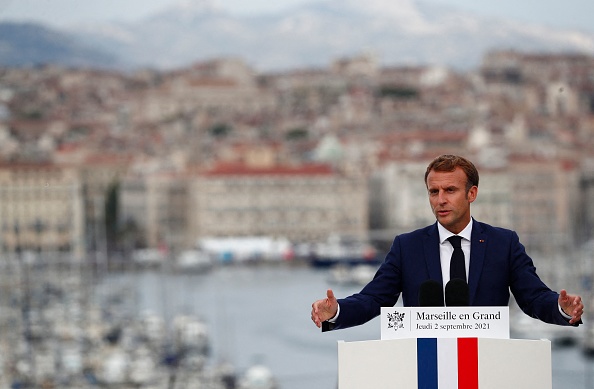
(444, 234)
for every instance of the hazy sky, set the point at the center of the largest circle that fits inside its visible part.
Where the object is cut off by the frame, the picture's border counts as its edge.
(559, 13)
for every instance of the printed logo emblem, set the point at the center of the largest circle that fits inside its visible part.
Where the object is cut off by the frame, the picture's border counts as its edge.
(396, 320)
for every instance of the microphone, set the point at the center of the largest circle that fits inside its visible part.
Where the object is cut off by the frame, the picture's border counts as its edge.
(431, 294)
(456, 293)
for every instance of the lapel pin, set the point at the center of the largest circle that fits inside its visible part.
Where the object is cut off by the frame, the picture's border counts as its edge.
(481, 241)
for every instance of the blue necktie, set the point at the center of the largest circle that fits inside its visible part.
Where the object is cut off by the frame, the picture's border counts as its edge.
(457, 263)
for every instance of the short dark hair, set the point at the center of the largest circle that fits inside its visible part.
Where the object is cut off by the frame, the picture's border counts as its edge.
(449, 163)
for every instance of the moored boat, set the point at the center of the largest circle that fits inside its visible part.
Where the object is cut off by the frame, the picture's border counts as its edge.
(344, 250)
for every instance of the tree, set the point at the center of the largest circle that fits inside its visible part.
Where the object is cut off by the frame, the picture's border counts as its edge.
(112, 215)
(220, 130)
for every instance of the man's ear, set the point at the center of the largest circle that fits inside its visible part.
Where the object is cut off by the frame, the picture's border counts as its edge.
(472, 193)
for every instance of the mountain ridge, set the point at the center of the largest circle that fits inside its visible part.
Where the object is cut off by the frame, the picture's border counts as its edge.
(410, 32)
(32, 44)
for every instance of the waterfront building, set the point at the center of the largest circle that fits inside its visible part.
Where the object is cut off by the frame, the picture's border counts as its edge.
(41, 209)
(303, 203)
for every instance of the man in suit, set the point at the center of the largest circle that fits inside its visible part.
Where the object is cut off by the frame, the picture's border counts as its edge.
(494, 262)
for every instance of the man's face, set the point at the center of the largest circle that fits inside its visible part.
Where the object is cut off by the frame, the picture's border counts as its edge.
(449, 200)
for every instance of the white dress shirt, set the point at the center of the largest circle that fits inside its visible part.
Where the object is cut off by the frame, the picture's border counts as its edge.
(446, 249)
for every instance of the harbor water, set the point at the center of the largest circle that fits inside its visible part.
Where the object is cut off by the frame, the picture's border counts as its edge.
(261, 315)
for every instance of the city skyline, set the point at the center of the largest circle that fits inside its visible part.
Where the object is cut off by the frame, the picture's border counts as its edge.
(572, 14)
(223, 127)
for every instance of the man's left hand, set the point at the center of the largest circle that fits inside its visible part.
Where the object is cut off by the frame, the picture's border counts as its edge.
(572, 305)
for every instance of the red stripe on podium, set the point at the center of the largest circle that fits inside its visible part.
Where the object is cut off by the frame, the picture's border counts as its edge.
(467, 363)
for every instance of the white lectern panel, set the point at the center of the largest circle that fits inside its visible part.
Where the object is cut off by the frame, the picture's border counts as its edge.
(515, 364)
(388, 364)
(377, 364)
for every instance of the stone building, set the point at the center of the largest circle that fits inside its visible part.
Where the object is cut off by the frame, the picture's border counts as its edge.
(304, 203)
(41, 209)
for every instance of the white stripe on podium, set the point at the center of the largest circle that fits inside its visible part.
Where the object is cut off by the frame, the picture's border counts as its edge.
(447, 362)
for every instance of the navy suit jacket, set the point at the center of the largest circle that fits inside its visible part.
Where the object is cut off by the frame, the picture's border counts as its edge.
(498, 264)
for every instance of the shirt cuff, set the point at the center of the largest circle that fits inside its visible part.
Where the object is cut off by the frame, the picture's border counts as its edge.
(565, 315)
(333, 320)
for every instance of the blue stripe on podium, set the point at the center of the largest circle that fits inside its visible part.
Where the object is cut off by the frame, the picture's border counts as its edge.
(427, 363)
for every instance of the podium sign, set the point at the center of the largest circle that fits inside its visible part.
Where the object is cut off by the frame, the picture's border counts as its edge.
(444, 322)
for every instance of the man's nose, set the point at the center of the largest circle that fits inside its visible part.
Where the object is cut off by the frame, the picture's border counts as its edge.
(441, 198)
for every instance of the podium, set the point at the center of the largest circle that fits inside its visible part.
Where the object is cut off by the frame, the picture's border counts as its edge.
(445, 363)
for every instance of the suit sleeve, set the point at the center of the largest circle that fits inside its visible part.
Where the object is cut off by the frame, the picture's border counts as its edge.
(532, 295)
(382, 291)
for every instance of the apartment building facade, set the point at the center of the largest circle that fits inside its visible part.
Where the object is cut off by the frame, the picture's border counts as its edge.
(304, 203)
(41, 209)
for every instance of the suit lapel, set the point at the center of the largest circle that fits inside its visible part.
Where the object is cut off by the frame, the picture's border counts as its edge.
(431, 248)
(478, 247)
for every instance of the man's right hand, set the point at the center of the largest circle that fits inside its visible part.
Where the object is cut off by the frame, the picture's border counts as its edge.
(325, 309)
